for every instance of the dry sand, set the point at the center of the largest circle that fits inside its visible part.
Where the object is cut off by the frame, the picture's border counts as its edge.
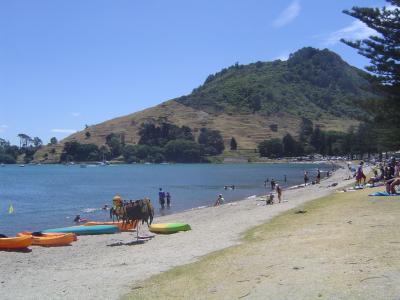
(106, 267)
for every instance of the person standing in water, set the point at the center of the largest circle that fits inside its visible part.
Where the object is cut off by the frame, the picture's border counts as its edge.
(161, 198)
(273, 184)
(279, 192)
(265, 182)
(318, 176)
(168, 195)
(285, 178)
(305, 178)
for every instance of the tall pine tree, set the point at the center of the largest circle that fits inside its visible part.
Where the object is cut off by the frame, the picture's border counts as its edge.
(383, 51)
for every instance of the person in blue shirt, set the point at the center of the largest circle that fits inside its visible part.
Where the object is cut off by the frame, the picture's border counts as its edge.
(161, 198)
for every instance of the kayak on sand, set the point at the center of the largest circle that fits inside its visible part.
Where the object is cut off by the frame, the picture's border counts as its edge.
(18, 242)
(85, 230)
(120, 225)
(50, 239)
(169, 227)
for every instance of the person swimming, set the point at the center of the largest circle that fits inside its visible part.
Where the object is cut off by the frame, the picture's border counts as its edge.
(78, 219)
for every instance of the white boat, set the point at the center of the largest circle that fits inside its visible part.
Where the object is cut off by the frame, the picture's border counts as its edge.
(22, 166)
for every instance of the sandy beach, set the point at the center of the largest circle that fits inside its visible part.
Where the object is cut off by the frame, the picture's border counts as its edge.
(106, 267)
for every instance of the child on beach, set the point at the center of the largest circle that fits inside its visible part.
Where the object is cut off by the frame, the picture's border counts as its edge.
(168, 195)
(269, 199)
(220, 200)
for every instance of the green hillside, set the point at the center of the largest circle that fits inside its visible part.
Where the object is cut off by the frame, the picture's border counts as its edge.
(311, 83)
(252, 103)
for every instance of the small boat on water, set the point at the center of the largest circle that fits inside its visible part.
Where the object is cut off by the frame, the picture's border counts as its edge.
(2, 165)
(22, 166)
(15, 243)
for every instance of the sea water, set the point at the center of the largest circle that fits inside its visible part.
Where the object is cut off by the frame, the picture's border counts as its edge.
(48, 196)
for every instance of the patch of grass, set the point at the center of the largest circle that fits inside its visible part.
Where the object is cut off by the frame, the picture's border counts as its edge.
(324, 225)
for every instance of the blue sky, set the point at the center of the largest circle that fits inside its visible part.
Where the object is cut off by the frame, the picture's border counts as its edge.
(64, 64)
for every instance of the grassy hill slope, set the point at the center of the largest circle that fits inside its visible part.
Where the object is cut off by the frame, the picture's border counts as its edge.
(253, 102)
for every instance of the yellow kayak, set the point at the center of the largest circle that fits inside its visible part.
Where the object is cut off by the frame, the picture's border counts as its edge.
(169, 227)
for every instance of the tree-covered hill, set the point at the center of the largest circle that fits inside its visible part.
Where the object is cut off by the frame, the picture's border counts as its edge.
(251, 103)
(311, 83)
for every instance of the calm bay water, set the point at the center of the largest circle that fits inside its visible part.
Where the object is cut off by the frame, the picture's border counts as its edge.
(49, 196)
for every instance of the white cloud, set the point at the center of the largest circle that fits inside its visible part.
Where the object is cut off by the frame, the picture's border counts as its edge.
(288, 14)
(76, 114)
(3, 128)
(58, 130)
(357, 30)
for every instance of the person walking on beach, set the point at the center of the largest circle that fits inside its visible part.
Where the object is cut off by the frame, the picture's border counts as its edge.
(220, 200)
(161, 198)
(318, 176)
(279, 192)
(168, 195)
(305, 178)
(273, 184)
(360, 174)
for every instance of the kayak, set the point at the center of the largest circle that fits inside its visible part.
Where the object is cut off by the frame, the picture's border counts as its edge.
(169, 227)
(51, 239)
(85, 230)
(120, 225)
(18, 242)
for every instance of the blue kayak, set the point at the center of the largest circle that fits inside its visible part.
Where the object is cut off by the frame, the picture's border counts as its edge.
(86, 230)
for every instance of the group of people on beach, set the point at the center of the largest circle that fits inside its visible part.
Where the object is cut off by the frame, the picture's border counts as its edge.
(317, 177)
(273, 182)
(386, 172)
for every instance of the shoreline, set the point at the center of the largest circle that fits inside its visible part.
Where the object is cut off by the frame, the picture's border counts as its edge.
(187, 193)
(105, 267)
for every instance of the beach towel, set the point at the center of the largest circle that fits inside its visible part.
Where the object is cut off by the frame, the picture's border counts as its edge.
(383, 194)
